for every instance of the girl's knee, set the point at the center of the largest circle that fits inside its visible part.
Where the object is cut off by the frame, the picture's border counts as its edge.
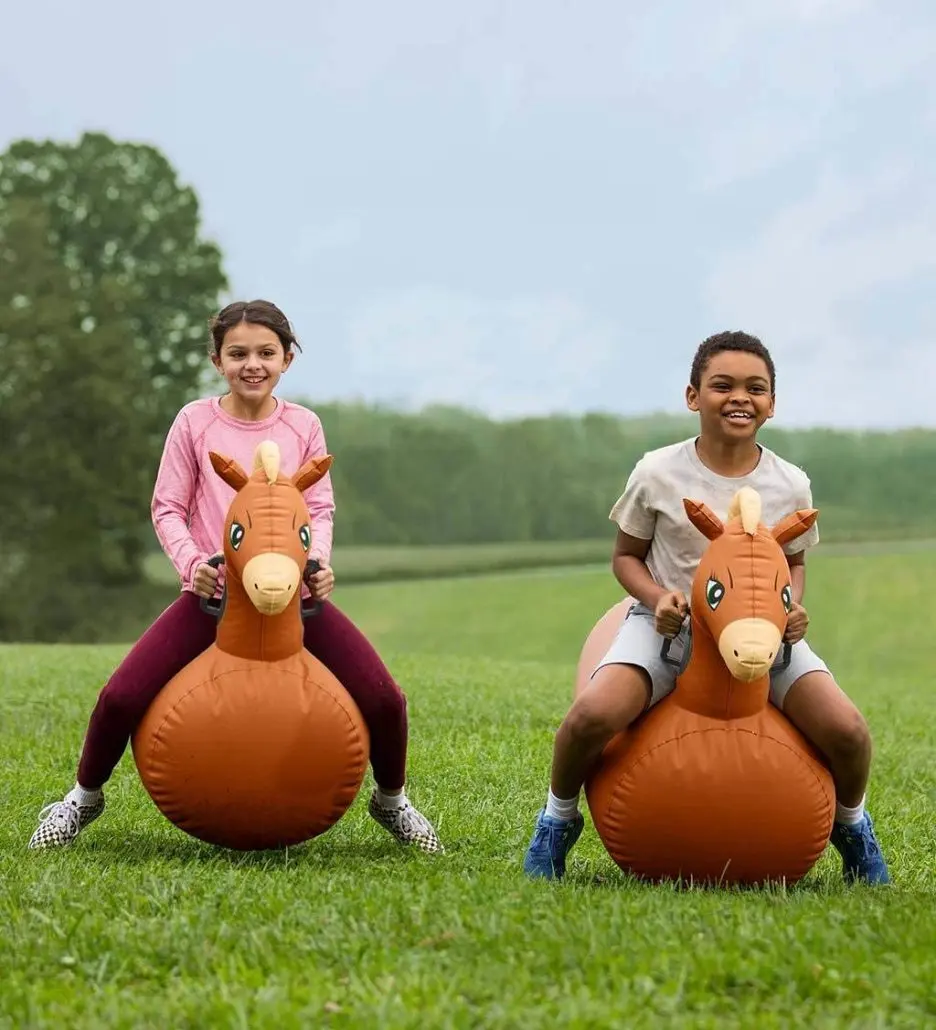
(381, 704)
(121, 705)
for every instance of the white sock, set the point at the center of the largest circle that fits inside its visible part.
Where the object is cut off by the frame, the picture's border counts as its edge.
(849, 816)
(392, 800)
(559, 808)
(83, 797)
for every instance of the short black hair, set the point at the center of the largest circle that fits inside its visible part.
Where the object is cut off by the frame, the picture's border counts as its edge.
(727, 341)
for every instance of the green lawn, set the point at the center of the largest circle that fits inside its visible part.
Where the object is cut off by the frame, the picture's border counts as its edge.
(140, 926)
(372, 563)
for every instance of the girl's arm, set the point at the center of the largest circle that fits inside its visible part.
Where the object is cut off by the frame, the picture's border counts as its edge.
(320, 499)
(173, 495)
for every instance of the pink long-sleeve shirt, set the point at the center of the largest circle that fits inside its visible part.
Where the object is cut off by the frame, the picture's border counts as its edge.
(191, 501)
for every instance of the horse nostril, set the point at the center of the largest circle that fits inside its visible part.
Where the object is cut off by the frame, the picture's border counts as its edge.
(736, 654)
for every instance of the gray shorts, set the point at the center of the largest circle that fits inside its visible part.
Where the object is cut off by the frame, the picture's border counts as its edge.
(638, 643)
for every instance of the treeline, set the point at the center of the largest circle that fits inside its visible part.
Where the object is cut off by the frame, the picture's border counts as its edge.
(106, 287)
(107, 281)
(450, 476)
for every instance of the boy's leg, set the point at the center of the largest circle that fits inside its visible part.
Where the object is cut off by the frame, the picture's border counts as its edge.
(176, 638)
(344, 650)
(612, 701)
(629, 679)
(812, 700)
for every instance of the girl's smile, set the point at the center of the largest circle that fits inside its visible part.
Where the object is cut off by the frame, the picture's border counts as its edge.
(251, 359)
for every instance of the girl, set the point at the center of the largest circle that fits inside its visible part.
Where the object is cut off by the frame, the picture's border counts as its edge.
(252, 347)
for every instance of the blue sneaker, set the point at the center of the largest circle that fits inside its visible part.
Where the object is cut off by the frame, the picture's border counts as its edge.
(860, 851)
(552, 841)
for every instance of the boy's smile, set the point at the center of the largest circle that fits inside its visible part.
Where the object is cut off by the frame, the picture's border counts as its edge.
(734, 399)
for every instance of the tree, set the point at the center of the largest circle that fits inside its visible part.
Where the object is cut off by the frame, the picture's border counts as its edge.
(105, 291)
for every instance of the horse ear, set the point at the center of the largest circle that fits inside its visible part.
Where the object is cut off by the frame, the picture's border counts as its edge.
(228, 470)
(794, 525)
(703, 518)
(312, 471)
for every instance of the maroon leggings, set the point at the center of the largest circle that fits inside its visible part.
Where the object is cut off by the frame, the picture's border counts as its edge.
(180, 635)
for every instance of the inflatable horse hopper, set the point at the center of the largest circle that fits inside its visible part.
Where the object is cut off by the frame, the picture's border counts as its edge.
(255, 744)
(714, 784)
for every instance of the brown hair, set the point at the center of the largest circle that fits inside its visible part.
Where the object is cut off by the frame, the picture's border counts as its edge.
(257, 312)
(721, 342)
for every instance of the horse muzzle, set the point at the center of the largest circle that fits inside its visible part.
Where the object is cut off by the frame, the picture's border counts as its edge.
(749, 647)
(271, 581)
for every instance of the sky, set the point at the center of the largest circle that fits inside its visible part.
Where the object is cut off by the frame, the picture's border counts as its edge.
(540, 206)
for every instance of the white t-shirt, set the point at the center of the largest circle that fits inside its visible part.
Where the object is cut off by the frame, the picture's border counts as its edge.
(651, 507)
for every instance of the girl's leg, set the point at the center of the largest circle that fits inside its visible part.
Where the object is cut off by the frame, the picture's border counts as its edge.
(176, 638)
(344, 650)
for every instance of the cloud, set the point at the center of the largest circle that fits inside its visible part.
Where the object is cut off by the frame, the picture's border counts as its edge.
(806, 280)
(538, 205)
(534, 354)
(313, 242)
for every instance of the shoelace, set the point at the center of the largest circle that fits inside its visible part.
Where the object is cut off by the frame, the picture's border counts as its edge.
(408, 821)
(64, 814)
(550, 835)
(867, 845)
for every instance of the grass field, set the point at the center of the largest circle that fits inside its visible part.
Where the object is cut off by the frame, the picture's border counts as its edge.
(370, 564)
(140, 926)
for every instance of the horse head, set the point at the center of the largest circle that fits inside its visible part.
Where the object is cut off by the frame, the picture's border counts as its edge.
(267, 534)
(742, 592)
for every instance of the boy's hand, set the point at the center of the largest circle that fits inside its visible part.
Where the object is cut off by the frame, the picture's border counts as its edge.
(797, 621)
(205, 580)
(321, 583)
(671, 609)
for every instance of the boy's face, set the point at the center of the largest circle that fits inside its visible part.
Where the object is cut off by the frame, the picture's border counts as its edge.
(734, 398)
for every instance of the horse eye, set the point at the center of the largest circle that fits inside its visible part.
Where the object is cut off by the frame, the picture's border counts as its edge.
(714, 592)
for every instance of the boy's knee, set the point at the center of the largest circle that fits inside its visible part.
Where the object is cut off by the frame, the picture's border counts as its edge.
(590, 722)
(850, 734)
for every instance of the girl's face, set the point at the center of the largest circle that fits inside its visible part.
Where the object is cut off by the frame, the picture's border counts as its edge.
(252, 360)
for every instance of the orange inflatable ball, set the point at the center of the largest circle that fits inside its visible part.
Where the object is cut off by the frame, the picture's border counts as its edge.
(714, 784)
(255, 744)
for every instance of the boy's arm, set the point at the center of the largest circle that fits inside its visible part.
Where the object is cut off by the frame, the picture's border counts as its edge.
(630, 569)
(796, 550)
(797, 563)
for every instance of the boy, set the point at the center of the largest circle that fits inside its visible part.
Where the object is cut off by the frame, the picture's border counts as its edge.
(731, 386)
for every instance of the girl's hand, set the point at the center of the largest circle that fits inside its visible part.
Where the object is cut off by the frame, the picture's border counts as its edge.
(321, 583)
(206, 580)
(797, 621)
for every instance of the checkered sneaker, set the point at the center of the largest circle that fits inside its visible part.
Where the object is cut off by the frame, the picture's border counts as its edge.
(61, 822)
(407, 825)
